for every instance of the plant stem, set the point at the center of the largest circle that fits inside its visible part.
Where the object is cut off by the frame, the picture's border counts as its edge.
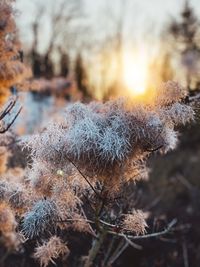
(96, 245)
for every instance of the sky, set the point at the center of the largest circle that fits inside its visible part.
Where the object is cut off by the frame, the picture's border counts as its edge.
(143, 17)
(156, 11)
(144, 21)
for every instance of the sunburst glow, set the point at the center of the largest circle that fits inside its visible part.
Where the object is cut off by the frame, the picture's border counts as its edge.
(135, 72)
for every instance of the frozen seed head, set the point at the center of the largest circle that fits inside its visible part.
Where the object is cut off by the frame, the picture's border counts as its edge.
(15, 194)
(7, 218)
(41, 219)
(41, 177)
(102, 138)
(19, 198)
(135, 222)
(4, 190)
(179, 114)
(169, 93)
(50, 250)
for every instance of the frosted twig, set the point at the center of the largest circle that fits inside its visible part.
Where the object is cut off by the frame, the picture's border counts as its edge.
(12, 121)
(6, 111)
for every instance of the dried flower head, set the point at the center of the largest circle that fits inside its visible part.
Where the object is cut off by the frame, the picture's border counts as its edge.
(13, 240)
(7, 219)
(135, 222)
(50, 251)
(16, 194)
(178, 113)
(169, 93)
(107, 141)
(80, 224)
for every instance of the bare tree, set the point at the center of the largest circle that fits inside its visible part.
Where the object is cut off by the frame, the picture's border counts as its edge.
(62, 17)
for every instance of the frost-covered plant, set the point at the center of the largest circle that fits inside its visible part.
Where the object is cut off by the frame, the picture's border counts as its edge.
(109, 140)
(12, 70)
(83, 163)
(41, 218)
(83, 167)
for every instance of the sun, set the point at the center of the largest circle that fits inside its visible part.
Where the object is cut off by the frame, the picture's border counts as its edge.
(135, 72)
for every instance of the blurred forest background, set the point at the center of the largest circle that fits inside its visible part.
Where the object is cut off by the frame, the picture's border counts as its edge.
(99, 50)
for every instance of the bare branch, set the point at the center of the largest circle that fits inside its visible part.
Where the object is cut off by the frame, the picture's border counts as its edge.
(120, 249)
(12, 121)
(132, 244)
(8, 108)
(89, 223)
(185, 254)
